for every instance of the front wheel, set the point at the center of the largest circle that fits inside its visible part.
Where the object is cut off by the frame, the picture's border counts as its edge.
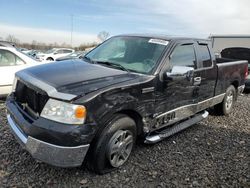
(113, 145)
(226, 106)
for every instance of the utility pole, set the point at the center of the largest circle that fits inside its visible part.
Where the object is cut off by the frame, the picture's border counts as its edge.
(71, 37)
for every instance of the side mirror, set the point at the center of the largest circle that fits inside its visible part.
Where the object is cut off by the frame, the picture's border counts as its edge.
(217, 55)
(179, 72)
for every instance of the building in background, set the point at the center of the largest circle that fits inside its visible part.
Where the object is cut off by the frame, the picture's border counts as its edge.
(220, 42)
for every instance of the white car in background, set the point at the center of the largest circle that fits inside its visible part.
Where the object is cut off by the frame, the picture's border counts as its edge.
(11, 61)
(54, 53)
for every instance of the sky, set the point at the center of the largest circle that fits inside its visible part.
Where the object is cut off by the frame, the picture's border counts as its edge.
(50, 20)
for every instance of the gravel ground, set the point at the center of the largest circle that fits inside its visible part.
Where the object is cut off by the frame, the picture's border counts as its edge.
(213, 153)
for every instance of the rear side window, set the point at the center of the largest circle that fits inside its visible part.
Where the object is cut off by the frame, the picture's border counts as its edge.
(67, 51)
(60, 52)
(205, 56)
(183, 55)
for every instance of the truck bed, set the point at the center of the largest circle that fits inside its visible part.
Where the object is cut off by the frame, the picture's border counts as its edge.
(229, 72)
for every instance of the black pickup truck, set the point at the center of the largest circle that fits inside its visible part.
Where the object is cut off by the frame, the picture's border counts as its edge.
(129, 87)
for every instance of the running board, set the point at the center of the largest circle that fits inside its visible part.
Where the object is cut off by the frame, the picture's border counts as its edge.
(151, 139)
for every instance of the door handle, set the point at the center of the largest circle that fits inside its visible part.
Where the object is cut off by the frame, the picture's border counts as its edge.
(197, 81)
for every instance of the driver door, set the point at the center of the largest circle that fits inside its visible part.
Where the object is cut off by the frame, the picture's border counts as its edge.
(175, 94)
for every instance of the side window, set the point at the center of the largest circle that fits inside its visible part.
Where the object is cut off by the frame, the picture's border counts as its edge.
(67, 51)
(60, 51)
(183, 55)
(205, 56)
(19, 61)
(9, 59)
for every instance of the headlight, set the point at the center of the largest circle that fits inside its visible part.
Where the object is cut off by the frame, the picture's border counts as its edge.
(64, 112)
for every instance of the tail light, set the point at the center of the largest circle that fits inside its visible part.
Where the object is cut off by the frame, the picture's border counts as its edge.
(246, 72)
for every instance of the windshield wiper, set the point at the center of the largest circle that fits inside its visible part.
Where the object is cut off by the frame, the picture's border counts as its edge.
(112, 65)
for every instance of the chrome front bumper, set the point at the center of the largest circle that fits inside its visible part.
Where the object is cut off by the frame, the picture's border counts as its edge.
(49, 153)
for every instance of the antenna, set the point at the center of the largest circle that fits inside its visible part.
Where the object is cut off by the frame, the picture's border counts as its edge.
(71, 37)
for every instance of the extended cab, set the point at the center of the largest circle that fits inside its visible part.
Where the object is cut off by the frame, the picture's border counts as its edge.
(129, 86)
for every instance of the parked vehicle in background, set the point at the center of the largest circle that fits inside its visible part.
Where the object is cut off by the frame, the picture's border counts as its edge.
(24, 50)
(6, 44)
(54, 53)
(220, 42)
(130, 86)
(31, 53)
(74, 55)
(11, 61)
(239, 54)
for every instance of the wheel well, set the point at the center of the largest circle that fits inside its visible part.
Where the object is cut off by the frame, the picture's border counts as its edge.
(235, 84)
(136, 117)
(50, 58)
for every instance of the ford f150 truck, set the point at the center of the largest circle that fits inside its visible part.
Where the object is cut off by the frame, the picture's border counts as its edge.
(130, 86)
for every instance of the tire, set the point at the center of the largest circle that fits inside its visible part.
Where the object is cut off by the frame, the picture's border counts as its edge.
(247, 90)
(112, 147)
(226, 106)
(49, 59)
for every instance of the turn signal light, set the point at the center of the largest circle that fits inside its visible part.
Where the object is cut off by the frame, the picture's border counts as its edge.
(80, 112)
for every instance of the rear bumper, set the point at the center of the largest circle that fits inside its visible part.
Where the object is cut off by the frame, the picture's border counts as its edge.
(52, 154)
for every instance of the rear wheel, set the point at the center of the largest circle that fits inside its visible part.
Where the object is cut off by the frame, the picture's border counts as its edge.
(113, 145)
(226, 106)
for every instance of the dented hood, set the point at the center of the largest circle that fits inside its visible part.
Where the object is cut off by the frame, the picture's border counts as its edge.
(75, 77)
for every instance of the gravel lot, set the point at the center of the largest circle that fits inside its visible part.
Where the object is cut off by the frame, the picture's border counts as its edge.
(213, 153)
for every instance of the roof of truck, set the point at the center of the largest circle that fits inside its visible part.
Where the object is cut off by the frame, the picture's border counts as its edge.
(230, 36)
(164, 37)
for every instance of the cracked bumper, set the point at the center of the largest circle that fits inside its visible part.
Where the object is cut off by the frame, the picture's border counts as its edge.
(62, 156)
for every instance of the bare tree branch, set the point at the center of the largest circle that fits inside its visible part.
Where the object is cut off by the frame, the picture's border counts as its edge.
(103, 35)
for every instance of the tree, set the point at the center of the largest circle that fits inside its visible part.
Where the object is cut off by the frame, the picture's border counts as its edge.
(12, 39)
(33, 44)
(103, 35)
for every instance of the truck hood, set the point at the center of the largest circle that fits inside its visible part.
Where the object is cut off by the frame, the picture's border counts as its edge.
(74, 77)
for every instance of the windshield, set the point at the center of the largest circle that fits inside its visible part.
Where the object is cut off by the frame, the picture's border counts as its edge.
(137, 54)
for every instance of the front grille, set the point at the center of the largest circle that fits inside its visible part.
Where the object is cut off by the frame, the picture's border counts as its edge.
(30, 100)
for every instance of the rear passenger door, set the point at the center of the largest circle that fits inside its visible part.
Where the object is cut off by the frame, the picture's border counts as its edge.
(206, 72)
